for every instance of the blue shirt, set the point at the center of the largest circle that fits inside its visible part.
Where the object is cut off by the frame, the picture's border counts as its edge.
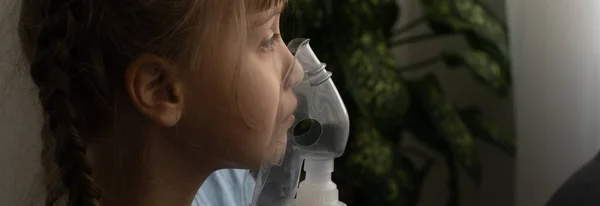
(225, 187)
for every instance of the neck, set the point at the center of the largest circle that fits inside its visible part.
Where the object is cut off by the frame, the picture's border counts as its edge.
(157, 174)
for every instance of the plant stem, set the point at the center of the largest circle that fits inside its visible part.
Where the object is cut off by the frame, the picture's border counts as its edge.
(409, 26)
(421, 64)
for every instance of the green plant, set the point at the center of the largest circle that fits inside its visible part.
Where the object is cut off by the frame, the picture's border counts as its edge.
(353, 37)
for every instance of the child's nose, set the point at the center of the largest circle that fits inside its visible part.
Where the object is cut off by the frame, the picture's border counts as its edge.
(294, 74)
(297, 74)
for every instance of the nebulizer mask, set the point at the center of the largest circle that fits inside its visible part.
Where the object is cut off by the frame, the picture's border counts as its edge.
(318, 136)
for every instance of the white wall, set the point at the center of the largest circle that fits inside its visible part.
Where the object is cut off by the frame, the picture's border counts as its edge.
(555, 52)
(19, 121)
(497, 188)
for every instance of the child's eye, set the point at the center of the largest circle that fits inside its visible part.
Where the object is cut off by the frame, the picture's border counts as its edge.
(270, 43)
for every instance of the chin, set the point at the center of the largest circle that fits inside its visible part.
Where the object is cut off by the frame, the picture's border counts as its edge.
(246, 163)
(254, 150)
(271, 158)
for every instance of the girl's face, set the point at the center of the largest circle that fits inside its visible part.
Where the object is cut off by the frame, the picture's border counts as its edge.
(235, 113)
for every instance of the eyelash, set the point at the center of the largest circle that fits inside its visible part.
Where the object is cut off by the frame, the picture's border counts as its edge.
(270, 43)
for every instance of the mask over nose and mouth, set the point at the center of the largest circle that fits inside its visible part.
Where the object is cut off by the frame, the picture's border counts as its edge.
(319, 130)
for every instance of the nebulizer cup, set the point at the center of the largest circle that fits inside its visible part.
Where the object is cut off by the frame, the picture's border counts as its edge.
(318, 136)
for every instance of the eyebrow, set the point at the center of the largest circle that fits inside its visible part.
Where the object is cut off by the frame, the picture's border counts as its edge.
(268, 14)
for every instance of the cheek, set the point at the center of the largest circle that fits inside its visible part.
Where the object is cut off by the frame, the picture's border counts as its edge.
(235, 117)
(258, 101)
(252, 102)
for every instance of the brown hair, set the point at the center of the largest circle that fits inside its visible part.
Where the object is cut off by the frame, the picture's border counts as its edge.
(77, 50)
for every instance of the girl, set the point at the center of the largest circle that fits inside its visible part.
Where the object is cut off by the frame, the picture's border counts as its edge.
(144, 99)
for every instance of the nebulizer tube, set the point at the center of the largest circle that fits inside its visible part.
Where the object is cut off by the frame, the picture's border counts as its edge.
(318, 136)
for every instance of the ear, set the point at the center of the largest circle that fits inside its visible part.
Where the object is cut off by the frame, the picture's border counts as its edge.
(154, 89)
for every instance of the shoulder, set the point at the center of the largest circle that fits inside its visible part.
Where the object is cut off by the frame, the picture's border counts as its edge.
(224, 187)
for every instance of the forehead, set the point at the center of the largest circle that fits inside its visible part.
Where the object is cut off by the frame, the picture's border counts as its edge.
(262, 10)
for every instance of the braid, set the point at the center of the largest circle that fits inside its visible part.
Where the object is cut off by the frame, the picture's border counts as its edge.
(54, 71)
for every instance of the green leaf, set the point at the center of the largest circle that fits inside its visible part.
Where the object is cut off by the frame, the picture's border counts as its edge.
(449, 125)
(487, 132)
(482, 66)
(441, 18)
(372, 78)
(381, 14)
(483, 23)
(371, 152)
(482, 30)
(391, 177)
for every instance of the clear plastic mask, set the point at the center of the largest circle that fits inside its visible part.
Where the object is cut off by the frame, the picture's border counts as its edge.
(320, 130)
